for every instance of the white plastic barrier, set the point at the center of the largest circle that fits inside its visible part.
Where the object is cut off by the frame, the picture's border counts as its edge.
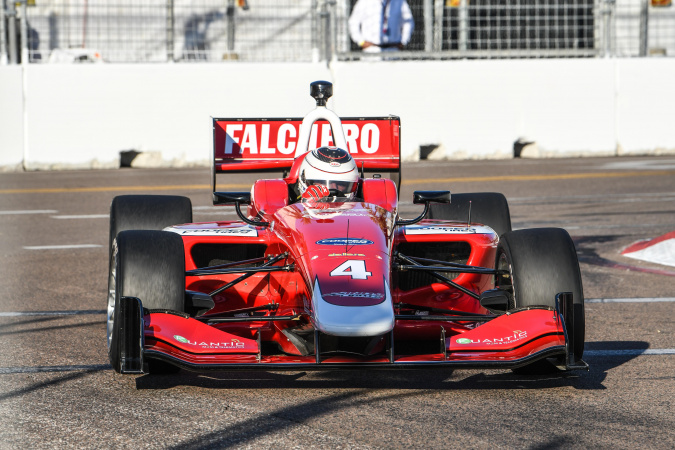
(645, 106)
(478, 109)
(82, 116)
(11, 118)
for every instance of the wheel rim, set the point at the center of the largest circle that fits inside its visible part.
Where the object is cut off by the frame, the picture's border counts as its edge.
(505, 282)
(112, 289)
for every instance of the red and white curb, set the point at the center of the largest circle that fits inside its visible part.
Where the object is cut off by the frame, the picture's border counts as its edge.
(660, 250)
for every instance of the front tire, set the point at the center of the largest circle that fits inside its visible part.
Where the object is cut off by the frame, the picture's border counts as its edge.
(149, 265)
(541, 263)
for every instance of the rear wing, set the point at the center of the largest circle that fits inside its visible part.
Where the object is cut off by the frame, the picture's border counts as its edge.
(264, 145)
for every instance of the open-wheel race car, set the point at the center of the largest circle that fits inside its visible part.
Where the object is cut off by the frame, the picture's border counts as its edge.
(336, 279)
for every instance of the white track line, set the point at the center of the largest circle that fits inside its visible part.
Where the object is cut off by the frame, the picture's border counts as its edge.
(74, 312)
(38, 369)
(83, 216)
(60, 247)
(29, 211)
(633, 197)
(631, 352)
(630, 300)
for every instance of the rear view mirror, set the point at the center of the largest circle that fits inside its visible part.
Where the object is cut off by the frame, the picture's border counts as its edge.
(237, 199)
(420, 197)
(426, 197)
(231, 198)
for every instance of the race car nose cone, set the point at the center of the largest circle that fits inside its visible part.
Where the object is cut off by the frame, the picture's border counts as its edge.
(321, 91)
(353, 321)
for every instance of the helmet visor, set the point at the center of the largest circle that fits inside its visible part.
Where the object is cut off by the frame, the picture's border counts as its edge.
(344, 187)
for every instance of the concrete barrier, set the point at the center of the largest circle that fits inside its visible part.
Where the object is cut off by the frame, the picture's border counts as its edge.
(86, 116)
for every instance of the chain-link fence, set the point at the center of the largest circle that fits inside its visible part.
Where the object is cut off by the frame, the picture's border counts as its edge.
(311, 30)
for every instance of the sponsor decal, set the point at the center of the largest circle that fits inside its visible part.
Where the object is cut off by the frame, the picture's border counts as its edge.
(517, 335)
(346, 254)
(238, 231)
(334, 164)
(355, 294)
(344, 241)
(233, 344)
(280, 138)
(431, 229)
(352, 213)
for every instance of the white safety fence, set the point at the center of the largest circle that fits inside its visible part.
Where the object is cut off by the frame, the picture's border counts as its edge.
(142, 31)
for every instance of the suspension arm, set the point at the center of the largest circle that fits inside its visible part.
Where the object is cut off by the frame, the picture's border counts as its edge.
(438, 276)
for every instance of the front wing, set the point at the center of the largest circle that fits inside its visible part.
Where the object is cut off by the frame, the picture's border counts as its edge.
(508, 341)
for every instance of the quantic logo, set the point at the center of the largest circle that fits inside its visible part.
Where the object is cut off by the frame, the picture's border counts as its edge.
(344, 241)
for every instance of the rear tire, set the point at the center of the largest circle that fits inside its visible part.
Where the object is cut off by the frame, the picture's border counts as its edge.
(541, 263)
(487, 208)
(149, 265)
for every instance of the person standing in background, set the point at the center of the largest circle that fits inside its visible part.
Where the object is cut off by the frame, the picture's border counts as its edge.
(381, 25)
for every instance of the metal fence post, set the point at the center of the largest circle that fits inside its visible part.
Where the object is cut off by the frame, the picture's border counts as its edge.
(11, 32)
(438, 25)
(230, 25)
(170, 29)
(333, 16)
(24, 34)
(316, 52)
(428, 25)
(608, 12)
(644, 27)
(325, 25)
(3, 35)
(463, 25)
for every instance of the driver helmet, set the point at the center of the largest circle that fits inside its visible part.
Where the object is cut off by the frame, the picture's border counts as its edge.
(332, 167)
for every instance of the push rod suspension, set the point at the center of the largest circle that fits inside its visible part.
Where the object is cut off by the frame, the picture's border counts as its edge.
(251, 270)
(267, 307)
(253, 319)
(438, 276)
(464, 267)
(451, 312)
(420, 268)
(234, 264)
(445, 318)
(246, 275)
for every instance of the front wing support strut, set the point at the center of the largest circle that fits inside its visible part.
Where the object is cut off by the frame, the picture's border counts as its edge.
(131, 337)
(564, 306)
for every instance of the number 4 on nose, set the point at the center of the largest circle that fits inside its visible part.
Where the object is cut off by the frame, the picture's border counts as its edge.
(354, 268)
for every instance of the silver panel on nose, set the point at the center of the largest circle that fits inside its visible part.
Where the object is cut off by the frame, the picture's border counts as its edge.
(353, 321)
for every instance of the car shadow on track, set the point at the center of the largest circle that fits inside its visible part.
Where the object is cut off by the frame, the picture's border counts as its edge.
(438, 379)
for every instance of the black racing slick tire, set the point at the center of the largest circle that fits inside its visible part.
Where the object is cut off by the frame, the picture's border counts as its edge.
(487, 208)
(149, 265)
(542, 262)
(147, 212)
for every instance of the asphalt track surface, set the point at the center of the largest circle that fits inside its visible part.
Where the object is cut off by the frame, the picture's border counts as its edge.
(58, 391)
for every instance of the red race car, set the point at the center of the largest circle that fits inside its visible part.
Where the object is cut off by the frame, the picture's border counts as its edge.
(335, 279)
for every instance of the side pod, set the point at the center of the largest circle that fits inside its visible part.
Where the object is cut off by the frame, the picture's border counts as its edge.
(131, 337)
